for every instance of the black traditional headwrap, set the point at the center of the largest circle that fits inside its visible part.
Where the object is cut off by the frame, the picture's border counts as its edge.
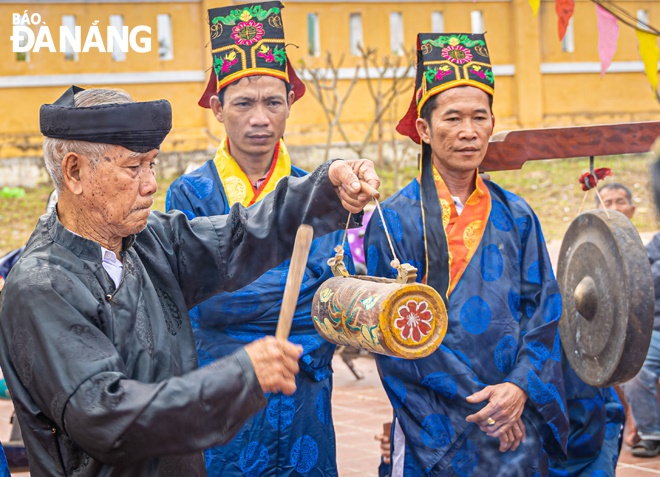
(138, 126)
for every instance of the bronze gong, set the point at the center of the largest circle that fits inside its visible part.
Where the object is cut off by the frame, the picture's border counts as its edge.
(608, 298)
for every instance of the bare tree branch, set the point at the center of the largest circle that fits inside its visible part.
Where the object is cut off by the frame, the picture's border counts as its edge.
(390, 81)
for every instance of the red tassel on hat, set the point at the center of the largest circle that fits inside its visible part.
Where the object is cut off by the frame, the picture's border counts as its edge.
(406, 126)
(205, 100)
(298, 87)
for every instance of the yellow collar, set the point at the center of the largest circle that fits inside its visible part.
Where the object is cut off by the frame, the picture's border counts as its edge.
(238, 187)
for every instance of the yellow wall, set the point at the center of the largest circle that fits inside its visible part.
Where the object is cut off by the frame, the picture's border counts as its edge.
(517, 41)
(310, 126)
(19, 127)
(187, 54)
(586, 97)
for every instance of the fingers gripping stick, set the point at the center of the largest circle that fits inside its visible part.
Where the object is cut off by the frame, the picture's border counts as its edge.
(294, 280)
(371, 192)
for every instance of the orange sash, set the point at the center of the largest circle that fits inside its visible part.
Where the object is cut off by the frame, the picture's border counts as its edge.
(464, 232)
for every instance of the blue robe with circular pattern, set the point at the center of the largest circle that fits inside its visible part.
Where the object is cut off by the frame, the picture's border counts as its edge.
(597, 420)
(503, 327)
(4, 466)
(293, 435)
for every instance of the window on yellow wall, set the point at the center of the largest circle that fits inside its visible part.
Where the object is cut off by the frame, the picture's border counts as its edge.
(568, 43)
(165, 46)
(437, 22)
(477, 21)
(313, 35)
(355, 33)
(118, 49)
(396, 33)
(68, 37)
(642, 18)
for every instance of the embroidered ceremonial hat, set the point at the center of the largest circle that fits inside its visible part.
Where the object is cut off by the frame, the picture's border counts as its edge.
(446, 61)
(248, 40)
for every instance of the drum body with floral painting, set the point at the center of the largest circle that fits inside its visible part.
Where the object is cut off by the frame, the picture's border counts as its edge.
(380, 315)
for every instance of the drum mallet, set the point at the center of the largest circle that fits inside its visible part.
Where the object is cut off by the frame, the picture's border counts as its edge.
(294, 279)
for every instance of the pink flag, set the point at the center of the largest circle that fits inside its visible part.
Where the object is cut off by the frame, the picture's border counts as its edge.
(608, 35)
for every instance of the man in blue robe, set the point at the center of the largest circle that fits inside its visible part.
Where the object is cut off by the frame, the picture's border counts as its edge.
(490, 400)
(294, 434)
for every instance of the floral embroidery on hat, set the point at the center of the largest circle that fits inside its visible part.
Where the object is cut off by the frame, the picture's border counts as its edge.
(455, 40)
(245, 15)
(247, 33)
(457, 54)
(223, 65)
(436, 74)
(248, 40)
(270, 56)
(483, 73)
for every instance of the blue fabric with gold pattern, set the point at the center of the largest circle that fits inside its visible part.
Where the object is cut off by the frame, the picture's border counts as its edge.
(4, 466)
(293, 435)
(597, 420)
(503, 316)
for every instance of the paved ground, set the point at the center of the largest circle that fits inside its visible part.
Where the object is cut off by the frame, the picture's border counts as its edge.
(359, 409)
(630, 466)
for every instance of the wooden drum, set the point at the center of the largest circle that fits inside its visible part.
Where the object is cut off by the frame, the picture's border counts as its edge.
(380, 315)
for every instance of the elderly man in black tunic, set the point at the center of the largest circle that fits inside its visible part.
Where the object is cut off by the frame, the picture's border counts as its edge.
(95, 341)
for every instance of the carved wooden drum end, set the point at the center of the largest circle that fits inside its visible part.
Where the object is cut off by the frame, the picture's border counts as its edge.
(380, 315)
(608, 298)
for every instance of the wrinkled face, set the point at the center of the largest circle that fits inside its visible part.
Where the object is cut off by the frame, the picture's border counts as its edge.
(617, 199)
(117, 193)
(254, 114)
(460, 127)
